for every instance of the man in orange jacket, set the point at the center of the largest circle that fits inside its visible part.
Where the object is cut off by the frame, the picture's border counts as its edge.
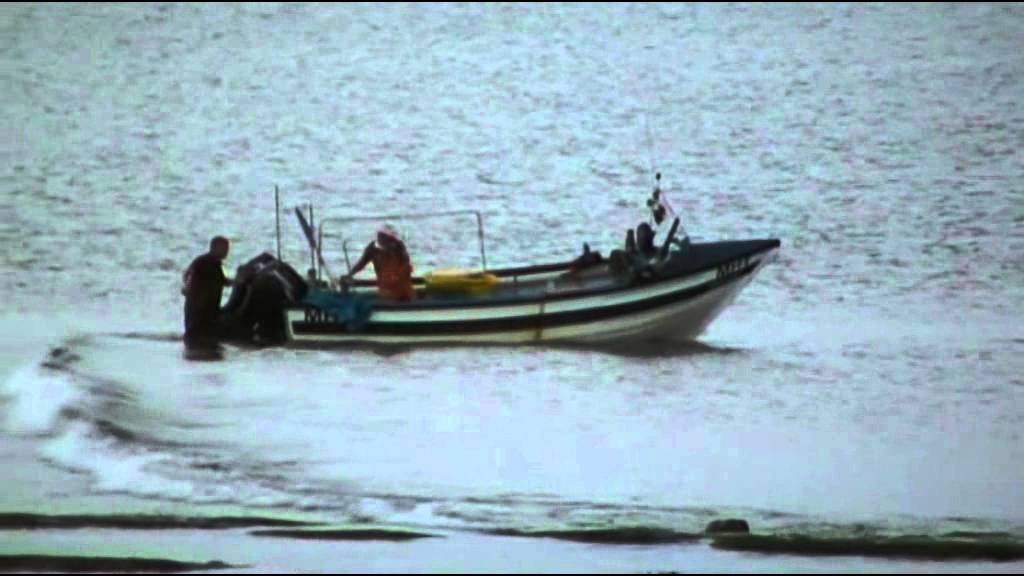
(390, 262)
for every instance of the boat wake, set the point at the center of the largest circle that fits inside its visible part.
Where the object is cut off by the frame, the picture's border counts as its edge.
(91, 422)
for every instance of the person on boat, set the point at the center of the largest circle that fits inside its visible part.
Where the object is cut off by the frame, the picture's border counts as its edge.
(203, 285)
(645, 240)
(390, 262)
(583, 261)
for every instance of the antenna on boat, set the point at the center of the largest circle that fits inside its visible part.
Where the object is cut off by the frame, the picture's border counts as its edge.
(650, 144)
(655, 204)
(277, 219)
(659, 207)
(664, 200)
(319, 248)
(658, 202)
(312, 243)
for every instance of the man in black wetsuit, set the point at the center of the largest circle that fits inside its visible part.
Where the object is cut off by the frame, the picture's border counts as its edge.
(204, 283)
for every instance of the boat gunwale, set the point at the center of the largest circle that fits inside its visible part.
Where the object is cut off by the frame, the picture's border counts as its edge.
(545, 297)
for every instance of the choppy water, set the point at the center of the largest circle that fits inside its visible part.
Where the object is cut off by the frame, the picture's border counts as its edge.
(867, 383)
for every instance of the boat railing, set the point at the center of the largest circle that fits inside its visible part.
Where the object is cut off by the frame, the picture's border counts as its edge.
(340, 221)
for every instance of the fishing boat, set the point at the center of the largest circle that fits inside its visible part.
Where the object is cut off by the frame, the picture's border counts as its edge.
(645, 290)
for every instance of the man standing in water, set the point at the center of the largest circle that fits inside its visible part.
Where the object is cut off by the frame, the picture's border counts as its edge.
(203, 286)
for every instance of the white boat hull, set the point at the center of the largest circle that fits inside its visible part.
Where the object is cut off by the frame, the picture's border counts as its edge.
(681, 318)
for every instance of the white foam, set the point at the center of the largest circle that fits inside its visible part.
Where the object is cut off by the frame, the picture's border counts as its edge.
(36, 397)
(149, 473)
(114, 470)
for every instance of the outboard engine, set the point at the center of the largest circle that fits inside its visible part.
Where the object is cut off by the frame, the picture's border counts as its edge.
(255, 310)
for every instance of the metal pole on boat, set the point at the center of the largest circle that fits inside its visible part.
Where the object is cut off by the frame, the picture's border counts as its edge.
(344, 248)
(313, 247)
(277, 219)
(480, 235)
(319, 249)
